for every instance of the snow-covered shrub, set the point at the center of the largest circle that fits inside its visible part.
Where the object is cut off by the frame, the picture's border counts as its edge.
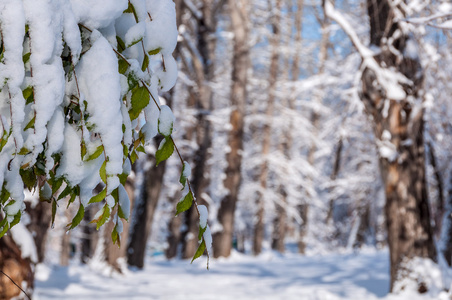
(80, 84)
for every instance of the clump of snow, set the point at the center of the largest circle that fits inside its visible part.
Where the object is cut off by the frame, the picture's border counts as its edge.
(207, 235)
(187, 170)
(166, 120)
(421, 273)
(61, 93)
(203, 216)
(25, 241)
(124, 201)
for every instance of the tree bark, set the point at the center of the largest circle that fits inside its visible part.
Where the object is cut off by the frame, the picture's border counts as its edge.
(145, 209)
(266, 142)
(439, 209)
(90, 236)
(396, 121)
(40, 218)
(113, 253)
(203, 64)
(16, 267)
(222, 240)
(446, 229)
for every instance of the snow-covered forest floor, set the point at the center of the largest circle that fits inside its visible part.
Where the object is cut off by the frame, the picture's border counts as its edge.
(363, 275)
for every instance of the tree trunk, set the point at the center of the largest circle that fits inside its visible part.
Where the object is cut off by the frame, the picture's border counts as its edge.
(446, 229)
(16, 267)
(204, 67)
(399, 126)
(279, 228)
(174, 237)
(266, 143)
(65, 243)
(113, 253)
(439, 209)
(40, 218)
(222, 240)
(90, 236)
(144, 215)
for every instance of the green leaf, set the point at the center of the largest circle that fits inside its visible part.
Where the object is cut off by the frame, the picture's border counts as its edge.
(54, 209)
(200, 251)
(16, 219)
(4, 194)
(24, 151)
(185, 203)
(82, 149)
(183, 179)
(99, 197)
(132, 80)
(103, 172)
(115, 237)
(102, 218)
(123, 178)
(28, 95)
(165, 150)
(96, 154)
(71, 200)
(140, 99)
(121, 45)
(4, 139)
(133, 157)
(67, 190)
(145, 64)
(129, 9)
(26, 57)
(155, 51)
(31, 124)
(201, 232)
(122, 66)
(28, 177)
(78, 218)
(141, 149)
(125, 150)
(56, 184)
(5, 228)
(134, 42)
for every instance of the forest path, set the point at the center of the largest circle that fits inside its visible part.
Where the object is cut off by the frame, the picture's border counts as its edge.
(268, 276)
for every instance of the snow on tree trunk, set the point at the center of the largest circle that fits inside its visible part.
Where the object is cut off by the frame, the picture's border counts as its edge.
(222, 242)
(397, 117)
(392, 93)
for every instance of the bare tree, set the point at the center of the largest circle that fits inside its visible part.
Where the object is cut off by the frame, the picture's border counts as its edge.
(222, 240)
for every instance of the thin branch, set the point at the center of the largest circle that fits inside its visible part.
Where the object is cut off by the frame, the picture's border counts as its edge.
(175, 146)
(28, 296)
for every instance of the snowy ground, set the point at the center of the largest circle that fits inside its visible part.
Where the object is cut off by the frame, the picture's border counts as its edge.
(269, 276)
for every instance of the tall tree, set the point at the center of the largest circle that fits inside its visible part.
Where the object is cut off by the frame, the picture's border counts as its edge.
(392, 93)
(202, 55)
(222, 240)
(267, 129)
(144, 212)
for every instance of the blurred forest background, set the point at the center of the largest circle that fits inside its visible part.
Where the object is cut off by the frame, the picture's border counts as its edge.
(293, 146)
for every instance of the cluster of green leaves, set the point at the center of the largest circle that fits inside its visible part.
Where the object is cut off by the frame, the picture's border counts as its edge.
(52, 187)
